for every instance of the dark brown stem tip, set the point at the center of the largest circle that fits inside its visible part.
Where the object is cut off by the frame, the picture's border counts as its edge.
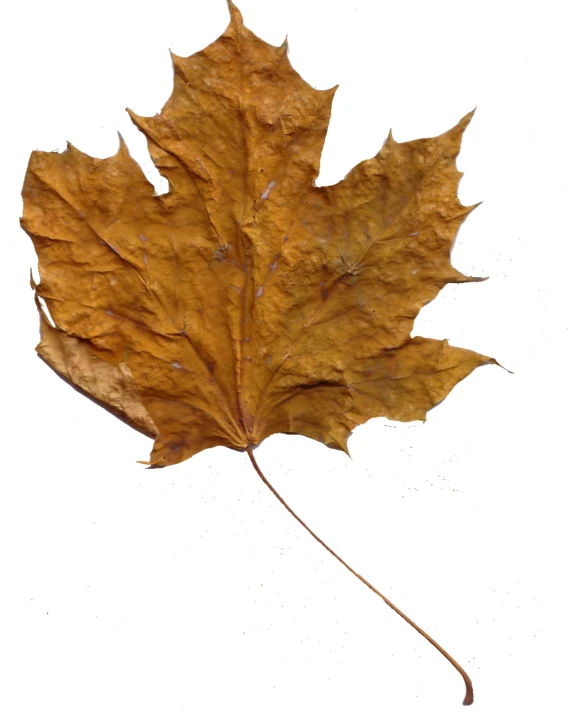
(468, 694)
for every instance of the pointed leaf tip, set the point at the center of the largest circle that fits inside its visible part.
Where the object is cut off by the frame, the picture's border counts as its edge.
(121, 144)
(236, 16)
(466, 119)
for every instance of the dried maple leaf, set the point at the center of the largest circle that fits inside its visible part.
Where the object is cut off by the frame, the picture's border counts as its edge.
(247, 301)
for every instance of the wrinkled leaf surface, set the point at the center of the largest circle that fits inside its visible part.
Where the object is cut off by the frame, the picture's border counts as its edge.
(247, 301)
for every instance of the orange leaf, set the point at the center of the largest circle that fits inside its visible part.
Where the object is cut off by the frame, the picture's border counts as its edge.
(247, 301)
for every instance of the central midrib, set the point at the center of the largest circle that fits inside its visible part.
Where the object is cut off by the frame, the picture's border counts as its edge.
(242, 249)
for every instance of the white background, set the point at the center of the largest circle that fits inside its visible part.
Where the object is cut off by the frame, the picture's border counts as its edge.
(189, 592)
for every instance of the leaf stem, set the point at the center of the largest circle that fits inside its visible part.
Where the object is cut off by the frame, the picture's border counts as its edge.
(468, 685)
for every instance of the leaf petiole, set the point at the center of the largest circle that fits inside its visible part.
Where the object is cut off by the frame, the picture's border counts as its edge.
(468, 699)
